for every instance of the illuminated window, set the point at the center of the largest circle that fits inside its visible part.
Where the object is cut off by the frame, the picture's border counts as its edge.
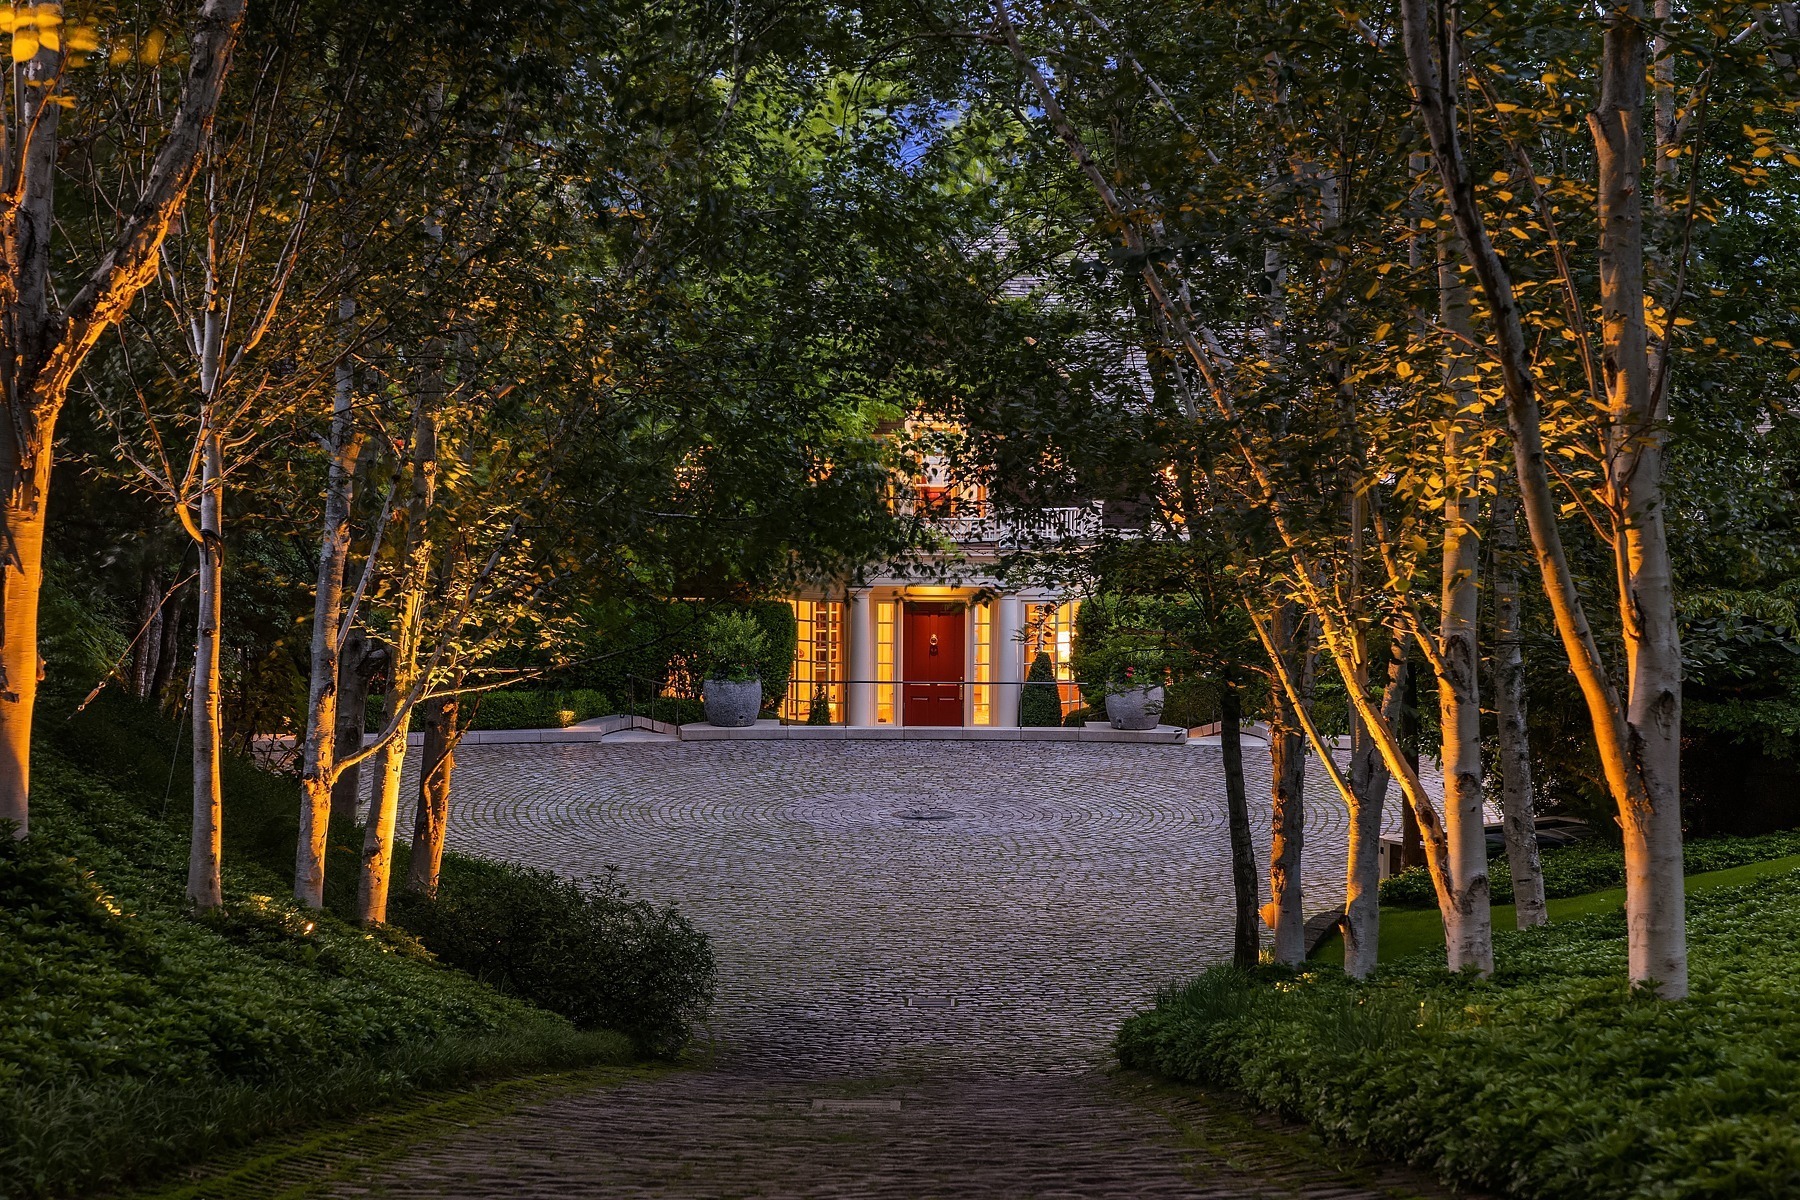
(983, 713)
(884, 661)
(1050, 629)
(818, 658)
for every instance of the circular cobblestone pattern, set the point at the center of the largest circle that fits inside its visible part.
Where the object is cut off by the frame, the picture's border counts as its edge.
(924, 950)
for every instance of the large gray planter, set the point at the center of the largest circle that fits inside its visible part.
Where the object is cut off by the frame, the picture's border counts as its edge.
(731, 704)
(1135, 708)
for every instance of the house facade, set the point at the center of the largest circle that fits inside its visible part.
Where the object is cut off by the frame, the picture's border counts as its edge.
(888, 649)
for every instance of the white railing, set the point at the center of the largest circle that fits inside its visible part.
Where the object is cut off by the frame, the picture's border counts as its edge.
(1077, 523)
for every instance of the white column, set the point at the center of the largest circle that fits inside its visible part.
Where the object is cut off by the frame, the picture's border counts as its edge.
(968, 687)
(859, 657)
(1009, 621)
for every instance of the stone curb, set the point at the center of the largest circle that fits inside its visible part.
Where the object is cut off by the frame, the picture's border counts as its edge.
(774, 731)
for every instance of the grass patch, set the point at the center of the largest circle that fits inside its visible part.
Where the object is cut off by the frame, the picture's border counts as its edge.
(1551, 1080)
(1410, 931)
(1595, 865)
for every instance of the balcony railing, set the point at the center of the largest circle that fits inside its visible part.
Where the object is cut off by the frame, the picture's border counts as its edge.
(1076, 523)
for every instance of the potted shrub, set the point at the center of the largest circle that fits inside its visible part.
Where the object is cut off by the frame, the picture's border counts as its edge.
(732, 691)
(1134, 692)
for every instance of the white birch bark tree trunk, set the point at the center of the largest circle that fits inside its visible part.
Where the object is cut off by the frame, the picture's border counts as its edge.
(1468, 934)
(205, 849)
(1518, 815)
(1369, 779)
(1285, 914)
(319, 757)
(431, 819)
(1650, 809)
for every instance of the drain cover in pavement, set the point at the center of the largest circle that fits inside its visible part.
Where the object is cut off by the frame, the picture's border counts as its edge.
(927, 814)
(933, 1002)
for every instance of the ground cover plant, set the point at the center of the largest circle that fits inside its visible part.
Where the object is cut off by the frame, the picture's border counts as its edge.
(136, 1033)
(587, 951)
(1553, 1079)
(1591, 866)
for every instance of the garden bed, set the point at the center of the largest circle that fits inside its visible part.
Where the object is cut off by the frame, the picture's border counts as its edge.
(1551, 1080)
(135, 1034)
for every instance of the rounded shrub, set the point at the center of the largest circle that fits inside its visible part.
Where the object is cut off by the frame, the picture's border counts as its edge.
(582, 949)
(1040, 703)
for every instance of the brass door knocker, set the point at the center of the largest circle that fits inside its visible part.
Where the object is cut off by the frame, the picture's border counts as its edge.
(934, 643)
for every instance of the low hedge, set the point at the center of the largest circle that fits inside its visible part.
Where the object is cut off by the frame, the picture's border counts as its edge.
(508, 709)
(1594, 866)
(586, 951)
(1553, 1080)
(1190, 703)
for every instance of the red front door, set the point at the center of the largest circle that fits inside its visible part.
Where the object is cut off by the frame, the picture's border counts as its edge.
(932, 662)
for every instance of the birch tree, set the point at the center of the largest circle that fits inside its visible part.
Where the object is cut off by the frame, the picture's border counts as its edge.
(45, 342)
(1220, 379)
(1638, 734)
(224, 275)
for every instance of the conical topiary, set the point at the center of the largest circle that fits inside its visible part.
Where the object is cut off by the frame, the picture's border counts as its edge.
(1040, 703)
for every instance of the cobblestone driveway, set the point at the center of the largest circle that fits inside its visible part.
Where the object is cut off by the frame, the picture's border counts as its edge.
(924, 950)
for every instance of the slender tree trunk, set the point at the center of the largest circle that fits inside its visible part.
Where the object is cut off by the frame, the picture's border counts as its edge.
(319, 758)
(27, 333)
(384, 798)
(376, 875)
(1412, 838)
(432, 818)
(352, 718)
(143, 658)
(1650, 814)
(1468, 929)
(1369, 779)
(1518, 817)
(1285, 914)
(1246, 936)
(204, 888)
(21, 579)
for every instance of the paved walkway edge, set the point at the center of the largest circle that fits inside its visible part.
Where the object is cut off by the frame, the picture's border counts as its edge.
(774, 731)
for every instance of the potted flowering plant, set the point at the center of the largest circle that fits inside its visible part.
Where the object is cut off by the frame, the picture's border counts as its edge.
(732, 691)
(1134, 692)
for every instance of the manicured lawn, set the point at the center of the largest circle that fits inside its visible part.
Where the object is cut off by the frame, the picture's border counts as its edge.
(1407, 931)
